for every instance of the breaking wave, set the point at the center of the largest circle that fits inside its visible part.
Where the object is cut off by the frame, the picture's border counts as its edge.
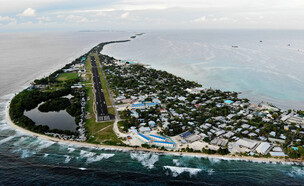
(92, 157)
(176, 162)
(44, 144)
(176, 171)
(7, 139)
(146, 159)
(214, 160)
(99, 157)
(71, 150)
(25, 153)
(67, 159)
(296, 172)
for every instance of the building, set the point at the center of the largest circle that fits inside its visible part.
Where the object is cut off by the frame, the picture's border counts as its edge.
(138, 106)
(133, 130)
(263, 148)
(153, 104)
(144, 129)
(219, 142)
(152, 124)
(164, 143)
(144, 138)
(157, 138)
(189, 137)
(248, 144)
(277, 154)
(228, 102)
(296, 120)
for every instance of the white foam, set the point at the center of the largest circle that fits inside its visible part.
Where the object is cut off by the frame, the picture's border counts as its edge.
(146, 159)
(22, 139)
(44, 144)
(7, 139)
(86, 154)
(296, 172)
(71, 150)
(99, 157)
(179, 170)
(176, 162)
(27, 153)
(210, 172)
(214, 160)
(67, 159)
(82, 168)
(46, 155)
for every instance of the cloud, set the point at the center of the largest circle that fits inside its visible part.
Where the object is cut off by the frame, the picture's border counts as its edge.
(78, 19)
(200, 19)
(6, 18)
(43, 18)
(28, 13)
(125, 15)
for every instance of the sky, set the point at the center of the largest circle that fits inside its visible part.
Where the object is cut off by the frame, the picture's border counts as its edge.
(37, 15)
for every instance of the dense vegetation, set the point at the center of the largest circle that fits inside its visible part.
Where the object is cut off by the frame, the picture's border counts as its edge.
(56, 104)
(28, 100)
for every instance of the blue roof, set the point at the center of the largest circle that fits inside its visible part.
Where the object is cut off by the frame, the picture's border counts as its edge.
(295, 148)
(164, 142)
(152, 104)
(228, 101)
(138, 105)
(144, 136)
(159, 137)
(186, 134)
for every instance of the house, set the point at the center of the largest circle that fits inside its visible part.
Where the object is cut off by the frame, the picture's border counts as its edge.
(158, 138)
(272, 133)
(138, 106)
(263, 148)
(277, 154)
(219, 142)
(228, 102)
(248, 144)
(296, 120)
(151, 124)
(144, 129)
(164, 143)
(144, 138)
(133, 130)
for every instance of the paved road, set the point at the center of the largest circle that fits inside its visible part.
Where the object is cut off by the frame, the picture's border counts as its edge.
(101, 106)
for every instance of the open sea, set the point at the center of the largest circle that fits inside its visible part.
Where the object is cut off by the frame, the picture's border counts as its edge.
(270, 70)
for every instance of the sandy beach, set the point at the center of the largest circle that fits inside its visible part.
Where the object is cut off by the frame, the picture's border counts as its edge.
(108, 147)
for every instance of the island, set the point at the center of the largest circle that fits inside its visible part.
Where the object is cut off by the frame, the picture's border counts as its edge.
(129, 105)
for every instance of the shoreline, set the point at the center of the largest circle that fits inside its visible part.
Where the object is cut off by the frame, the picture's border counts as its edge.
(161, 152)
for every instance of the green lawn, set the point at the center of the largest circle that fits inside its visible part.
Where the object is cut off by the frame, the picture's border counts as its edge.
(67, 76)
(120, 125)
(101, 133)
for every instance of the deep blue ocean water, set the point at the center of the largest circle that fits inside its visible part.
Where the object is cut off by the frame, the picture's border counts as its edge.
(28, 160)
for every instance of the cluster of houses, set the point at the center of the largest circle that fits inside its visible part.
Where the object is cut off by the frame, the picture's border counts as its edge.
(204, 115)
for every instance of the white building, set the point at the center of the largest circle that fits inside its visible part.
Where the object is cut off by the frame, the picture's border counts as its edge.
(263, 148)
(244, 143)
(144, 129)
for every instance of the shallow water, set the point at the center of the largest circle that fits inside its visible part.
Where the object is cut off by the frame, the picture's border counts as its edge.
(268, 71)
(28, 160)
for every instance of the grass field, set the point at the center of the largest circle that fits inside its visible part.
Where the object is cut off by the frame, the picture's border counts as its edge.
(67, 76)
(121, 126)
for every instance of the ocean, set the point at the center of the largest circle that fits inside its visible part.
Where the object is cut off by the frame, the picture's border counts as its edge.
(28, 160)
